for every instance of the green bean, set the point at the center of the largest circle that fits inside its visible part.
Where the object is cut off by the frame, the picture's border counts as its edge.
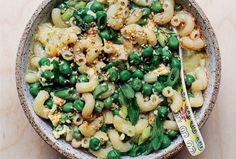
(78, 105)
(94, 144)
(68, 107)
(34, 88)
(101, 18)
(127, 91)
(79, 20)
(67, 94)
(162, 79)
(99, 90)
(173, 77)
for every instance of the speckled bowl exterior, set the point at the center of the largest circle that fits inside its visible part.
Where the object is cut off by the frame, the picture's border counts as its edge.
(43, 128)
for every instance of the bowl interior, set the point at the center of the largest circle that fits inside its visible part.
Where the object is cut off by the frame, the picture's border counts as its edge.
(44, 129)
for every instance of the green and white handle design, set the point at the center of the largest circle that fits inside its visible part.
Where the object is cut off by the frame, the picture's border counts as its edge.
(186, 121)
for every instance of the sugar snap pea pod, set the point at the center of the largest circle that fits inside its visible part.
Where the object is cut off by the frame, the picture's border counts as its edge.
(67, 94)
(127, 90)
(157, 133)
(173, 77)
(100, 89)
(133, 112)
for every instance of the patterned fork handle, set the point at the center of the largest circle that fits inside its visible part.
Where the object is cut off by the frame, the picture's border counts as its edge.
(186, 121)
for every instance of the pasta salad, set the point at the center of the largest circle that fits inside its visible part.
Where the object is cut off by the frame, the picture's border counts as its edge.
(106, 73)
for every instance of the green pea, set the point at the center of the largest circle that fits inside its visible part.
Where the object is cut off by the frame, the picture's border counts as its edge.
(105, 34)
(94, 144)
(156, 60)
(158, 51)
(115, 97)
(83, 11)
(158, 87)
(166, 55)
(88, 18)
(77, 134)
(48, 75)
(138, 74)
(178, 7)
(108, 102)
(60, 80)
(114, 154)
(112, 74)
(100, 89)
(72, 80)
(163, 112)
(136, 84)
(48, 89)
(44, 62)
(156, 7)
(173, 43)
(172, 134)
(104, 128)
(101, 19)
(62, 6)
(49, 103)
(96, 6)
(142, 22)
(34, 88)
(115, 112)
(189, 79)
(165, 142)
(99, 105)
(79, 5)
(147, 52)
(64, 68)
(125, 75)
(175, 63)
(83, 78)
(78, 105)
(55, 64)
(68, 107)
(134, 59)
(146, 12)
(146, 67)
(147, 89)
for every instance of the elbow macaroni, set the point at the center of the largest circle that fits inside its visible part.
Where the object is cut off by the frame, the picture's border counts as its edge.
(39, 107)
(88, 106)
(146, 106)
(123, 126)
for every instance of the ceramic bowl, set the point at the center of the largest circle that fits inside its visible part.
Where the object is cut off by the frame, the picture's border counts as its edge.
(43, 128)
